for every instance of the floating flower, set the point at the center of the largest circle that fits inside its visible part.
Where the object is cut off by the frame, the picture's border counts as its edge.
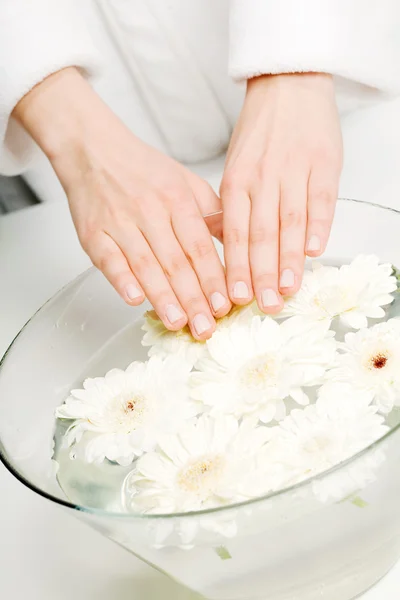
(163, 342)
(315, 439)
(370, 361)
(127, 411)
(252, 367)
(353, 292)
(210, 463)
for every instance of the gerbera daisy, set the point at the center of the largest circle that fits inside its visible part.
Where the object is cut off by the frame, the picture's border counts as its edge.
(353, 292)
(252, 367)
(370, 361)
(126, 411)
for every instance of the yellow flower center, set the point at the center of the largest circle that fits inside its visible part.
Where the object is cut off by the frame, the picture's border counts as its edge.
(260, 372)
(201, 475)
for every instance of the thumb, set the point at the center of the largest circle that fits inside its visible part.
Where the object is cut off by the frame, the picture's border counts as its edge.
(210, 206)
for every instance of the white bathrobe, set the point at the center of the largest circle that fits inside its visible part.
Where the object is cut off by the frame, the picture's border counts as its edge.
(163, 65)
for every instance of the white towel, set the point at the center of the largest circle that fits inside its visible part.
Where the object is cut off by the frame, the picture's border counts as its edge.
(37, 38)
(358, 41)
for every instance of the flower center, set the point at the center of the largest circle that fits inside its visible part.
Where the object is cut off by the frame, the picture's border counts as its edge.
(379, 361)
(127, 413)
(260, 373)
(201, 475)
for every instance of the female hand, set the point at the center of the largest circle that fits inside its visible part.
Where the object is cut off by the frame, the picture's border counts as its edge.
(138, 213)
(280, 185)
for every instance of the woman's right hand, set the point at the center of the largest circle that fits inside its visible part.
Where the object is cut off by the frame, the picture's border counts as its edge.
(137, 212)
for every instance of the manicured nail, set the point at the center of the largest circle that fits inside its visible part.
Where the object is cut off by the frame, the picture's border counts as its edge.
(269, 298)
(314, 244)
(173, 313)
(287, 279)
(133, 292)
(201, 324)
(217, 301)
(240, 290)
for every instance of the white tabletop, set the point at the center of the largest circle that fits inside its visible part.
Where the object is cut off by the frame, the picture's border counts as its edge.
(39, 556)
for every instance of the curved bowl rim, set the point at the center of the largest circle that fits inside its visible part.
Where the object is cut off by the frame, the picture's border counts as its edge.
(192, 514)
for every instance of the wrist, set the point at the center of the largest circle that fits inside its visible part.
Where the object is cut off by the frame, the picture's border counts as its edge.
(317, 81)
(57, 112)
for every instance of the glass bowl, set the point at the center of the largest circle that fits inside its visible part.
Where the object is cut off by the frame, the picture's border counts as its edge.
(293, 545)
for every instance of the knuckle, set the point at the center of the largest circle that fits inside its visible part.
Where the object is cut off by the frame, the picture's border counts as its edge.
(160, 298)
(261, 234)
(175, 263)
(293, 218)
(177, 197)
(290, 257)
(119, 280)
(323, 197)
(87, 236)
(142, 261)
(233, 180)
(104, 261)
(234, 236)
(194, 304)
(200, 249)
(266, 280)
(210, 284)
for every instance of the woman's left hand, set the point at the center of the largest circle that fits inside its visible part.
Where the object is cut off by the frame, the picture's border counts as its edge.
(280, 185)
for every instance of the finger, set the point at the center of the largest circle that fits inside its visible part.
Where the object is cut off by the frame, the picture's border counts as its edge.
(151, 277)
(195, 240)
(322, 197)
(215, 225)
(209, 204)
(108, 258)
(182, 278)
(293, 222)
(236, 222)
(264, 247)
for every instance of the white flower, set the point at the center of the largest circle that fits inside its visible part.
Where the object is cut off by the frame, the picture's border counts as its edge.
(253, 367)
(353, 292)
(370, 361)
(210, 463)
(321, 436)
(127, 411)
(163, 342)
(334, 396)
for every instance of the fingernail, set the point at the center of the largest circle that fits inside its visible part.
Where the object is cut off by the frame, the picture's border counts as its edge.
(240, 290)
(201, 324)
(173, 313)
(133, 292)
(269, 298)
(287, 279)
(314, 244)
(217, 301)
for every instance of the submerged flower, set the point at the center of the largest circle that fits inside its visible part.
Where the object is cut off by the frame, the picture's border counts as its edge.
(370, 361)
(253, 367)
(311, 441)
(210, 463)
(353, 292)
(126, 411)
(163, 342)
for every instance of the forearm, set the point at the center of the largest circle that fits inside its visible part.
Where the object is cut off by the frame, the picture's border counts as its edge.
(37, 39)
